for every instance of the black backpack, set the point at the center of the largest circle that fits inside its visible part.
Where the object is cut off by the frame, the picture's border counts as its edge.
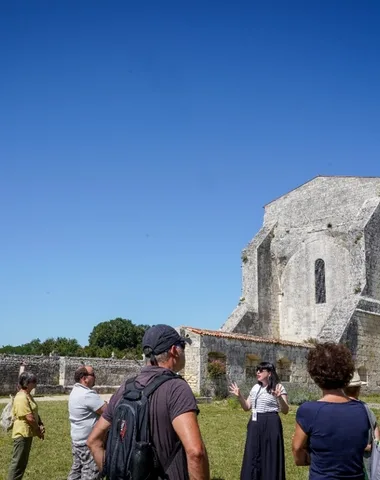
(130, 453)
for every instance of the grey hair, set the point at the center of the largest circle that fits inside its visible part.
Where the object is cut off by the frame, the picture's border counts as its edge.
(26, 378)
(162, 357)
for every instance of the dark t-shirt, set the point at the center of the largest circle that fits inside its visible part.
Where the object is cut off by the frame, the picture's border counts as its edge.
(171, 399)
(338, 435)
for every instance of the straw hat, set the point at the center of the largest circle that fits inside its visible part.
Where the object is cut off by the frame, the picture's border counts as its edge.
(355, 381)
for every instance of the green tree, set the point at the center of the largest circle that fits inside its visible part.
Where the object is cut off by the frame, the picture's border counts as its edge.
(120, 334)
(65, 347)
(31, 348)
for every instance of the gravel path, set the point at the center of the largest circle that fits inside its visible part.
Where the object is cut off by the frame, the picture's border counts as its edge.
(57, 398)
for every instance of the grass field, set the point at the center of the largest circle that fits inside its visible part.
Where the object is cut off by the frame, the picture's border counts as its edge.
(223, 428)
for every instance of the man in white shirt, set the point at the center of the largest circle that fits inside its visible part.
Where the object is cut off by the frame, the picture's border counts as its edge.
(85, 408)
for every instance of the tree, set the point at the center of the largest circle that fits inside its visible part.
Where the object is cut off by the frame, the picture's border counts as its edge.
(67, 347)
(119, 334)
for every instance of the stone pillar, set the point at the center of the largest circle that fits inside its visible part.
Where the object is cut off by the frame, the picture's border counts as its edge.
(62, 371)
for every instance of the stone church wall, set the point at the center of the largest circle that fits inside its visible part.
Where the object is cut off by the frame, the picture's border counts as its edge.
(56, 374)
(363, 338)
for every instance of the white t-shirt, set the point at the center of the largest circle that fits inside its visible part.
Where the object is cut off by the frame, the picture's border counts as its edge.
(263, 401)
(83, 404)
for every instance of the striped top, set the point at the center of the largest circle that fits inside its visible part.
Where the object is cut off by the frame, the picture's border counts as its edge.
(263, 401)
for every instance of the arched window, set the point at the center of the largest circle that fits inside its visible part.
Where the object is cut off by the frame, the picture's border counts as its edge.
(320, 281)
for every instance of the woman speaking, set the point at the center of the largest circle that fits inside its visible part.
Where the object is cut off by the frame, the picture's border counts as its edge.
(264, 457)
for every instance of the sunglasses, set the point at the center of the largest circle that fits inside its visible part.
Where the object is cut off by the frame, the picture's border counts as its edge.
(261, 369)
(91, 375)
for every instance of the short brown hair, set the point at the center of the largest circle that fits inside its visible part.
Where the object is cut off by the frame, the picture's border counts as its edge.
(80, 373)
(330, 365)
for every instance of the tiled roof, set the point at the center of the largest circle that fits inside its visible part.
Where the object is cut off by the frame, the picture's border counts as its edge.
(242, 336)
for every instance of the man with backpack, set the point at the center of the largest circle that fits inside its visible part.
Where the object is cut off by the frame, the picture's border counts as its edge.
(151, 421)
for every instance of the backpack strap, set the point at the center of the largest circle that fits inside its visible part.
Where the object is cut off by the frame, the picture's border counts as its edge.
(158, 381)
(149, 390)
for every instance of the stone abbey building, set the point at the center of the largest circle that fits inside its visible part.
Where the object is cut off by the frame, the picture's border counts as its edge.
(311, 273)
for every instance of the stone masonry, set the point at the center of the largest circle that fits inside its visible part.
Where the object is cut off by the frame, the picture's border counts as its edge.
(56, 374)
(313, 270)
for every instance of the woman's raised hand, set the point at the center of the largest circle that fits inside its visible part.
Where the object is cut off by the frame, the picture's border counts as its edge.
(277, 391)
(234, 389)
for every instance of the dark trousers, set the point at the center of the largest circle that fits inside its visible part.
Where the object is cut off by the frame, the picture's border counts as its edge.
(20, 457)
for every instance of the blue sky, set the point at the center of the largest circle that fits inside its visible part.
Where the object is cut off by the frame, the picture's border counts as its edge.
(139, 142)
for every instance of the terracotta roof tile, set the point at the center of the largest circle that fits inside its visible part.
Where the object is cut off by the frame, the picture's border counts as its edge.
(242, 336)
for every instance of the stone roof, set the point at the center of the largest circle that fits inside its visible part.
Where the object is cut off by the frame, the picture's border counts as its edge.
(242, 336)
(322, 176)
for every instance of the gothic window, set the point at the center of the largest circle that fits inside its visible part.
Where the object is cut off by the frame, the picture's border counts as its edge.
(320, 281)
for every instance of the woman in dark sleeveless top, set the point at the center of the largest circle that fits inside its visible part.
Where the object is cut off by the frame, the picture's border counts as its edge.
(332, 433)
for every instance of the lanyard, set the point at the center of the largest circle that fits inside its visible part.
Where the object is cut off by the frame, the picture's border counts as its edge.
(257, 396)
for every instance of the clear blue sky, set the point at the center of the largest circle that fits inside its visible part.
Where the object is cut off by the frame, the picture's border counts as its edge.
(139, 142)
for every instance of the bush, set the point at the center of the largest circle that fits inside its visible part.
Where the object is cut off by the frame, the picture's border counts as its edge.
(298, 395)
(216, 368)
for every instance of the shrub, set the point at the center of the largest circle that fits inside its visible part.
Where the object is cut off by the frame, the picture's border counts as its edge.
(298, 396)
(216, 368)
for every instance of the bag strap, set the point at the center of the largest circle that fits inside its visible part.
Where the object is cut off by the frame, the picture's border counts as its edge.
(158, 381)
(370, 419)
(129, 385)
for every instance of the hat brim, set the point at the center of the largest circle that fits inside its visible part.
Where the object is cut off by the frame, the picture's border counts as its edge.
(357, 383)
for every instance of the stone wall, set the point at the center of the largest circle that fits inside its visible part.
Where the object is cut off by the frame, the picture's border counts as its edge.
(242, 355)
(333, 219)
(372, 253)
(322, 201)
(56, 374)
(363, 338)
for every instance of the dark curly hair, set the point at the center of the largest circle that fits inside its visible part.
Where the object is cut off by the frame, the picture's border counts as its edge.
(330, 365)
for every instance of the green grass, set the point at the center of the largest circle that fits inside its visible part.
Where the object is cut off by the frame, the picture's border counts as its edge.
(371, 398)
(223, 428)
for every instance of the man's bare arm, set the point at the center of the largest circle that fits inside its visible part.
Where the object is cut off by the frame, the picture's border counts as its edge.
(187, 429)
(96, 441)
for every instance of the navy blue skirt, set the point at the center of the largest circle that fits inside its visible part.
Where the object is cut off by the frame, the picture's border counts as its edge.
(264, 457)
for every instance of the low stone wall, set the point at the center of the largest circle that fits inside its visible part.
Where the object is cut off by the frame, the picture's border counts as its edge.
(242, 354)
(56, 374)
